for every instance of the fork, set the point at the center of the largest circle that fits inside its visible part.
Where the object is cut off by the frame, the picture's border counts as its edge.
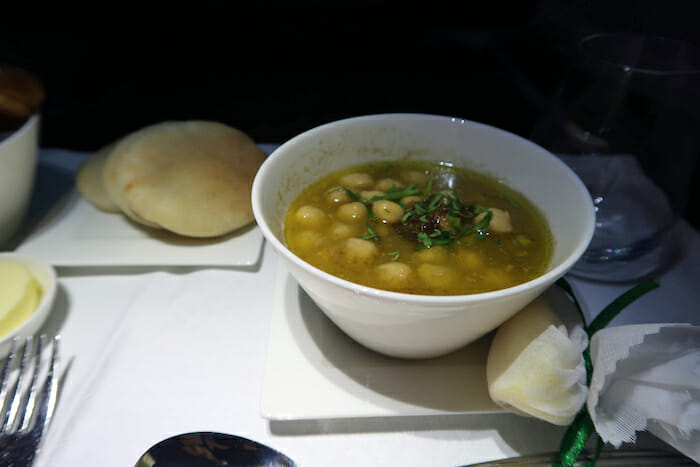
(25, 414)
(629, 457)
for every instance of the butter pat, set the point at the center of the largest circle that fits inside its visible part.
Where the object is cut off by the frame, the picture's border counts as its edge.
(20, 294)
(535, 367)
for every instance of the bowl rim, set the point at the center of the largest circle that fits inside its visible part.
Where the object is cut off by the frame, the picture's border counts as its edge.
(19, 132)
(543, 280)
(48, 295)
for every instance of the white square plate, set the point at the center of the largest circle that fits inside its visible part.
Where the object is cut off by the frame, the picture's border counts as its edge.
(314, 371)
(75, 233)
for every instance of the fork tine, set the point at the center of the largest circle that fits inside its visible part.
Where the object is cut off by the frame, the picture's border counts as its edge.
(5, 373)
(47, 400)
(30, 399)
(13, 396)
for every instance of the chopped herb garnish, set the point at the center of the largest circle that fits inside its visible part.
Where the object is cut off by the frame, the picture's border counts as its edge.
(395, 193)
(438, 219)
(393, 254)
(372, 234)
(442, 218)
(428, 188)
(483, 223)
(355, 197)
(436, 198)
(426, 241)
(482, 227)
(510, 199)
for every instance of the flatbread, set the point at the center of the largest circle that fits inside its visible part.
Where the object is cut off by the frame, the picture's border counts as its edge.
(193, 178)
(89, 182)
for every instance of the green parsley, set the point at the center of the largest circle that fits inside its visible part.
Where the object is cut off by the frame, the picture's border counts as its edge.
(372, 234)
(448, 216)
(394, 255)
(395, 193)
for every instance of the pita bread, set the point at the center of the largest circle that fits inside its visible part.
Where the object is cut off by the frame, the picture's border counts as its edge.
(88, 180)
(193, 178)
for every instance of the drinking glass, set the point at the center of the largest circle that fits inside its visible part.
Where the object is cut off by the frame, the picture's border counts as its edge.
(626, 118)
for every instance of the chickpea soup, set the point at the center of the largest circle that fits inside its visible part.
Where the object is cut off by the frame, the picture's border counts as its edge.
(419, 228)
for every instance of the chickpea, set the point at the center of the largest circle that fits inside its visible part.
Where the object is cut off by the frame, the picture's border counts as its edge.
(387, 211)
(369, 194)
(307, 240)
(416, 177)
(357, 181)
(394, 275)
(310, 217)
(358, 251)
(383, 230)
(500, 221)
(498, 279)
(385, 183)
(434, 255)
(340, 231)
(470, 260)
(337, 196)
(410, 201)
(437, 277)
(352, 212)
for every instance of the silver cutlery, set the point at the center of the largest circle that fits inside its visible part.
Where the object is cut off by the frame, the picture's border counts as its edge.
(628, 457)
(27, 405)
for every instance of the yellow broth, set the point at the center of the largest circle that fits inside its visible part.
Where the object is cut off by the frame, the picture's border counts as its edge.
(341, 225)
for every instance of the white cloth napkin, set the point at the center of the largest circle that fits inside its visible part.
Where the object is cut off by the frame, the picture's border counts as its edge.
(171, 370)
(647, 377)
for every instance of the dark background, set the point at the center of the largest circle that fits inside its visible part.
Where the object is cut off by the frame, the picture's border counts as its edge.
(274, 70)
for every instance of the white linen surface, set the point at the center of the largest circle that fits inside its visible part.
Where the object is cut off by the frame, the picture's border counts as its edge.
(148, 353)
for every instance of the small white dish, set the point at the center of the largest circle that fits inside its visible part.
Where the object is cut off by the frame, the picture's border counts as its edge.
(46, 276)
(75, 233)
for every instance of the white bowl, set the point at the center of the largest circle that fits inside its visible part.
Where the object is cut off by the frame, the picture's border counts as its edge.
(46, 276)
(18, 153)
(420, 326)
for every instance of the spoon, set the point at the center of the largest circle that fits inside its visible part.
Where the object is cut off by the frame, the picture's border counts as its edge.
(207, 449)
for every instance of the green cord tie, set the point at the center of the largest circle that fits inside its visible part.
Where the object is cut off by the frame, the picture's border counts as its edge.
(582, 427)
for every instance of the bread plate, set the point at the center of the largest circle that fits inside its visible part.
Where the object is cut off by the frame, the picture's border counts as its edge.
(75, 233)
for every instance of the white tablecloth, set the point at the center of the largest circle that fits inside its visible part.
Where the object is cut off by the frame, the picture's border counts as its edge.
(152, 352)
